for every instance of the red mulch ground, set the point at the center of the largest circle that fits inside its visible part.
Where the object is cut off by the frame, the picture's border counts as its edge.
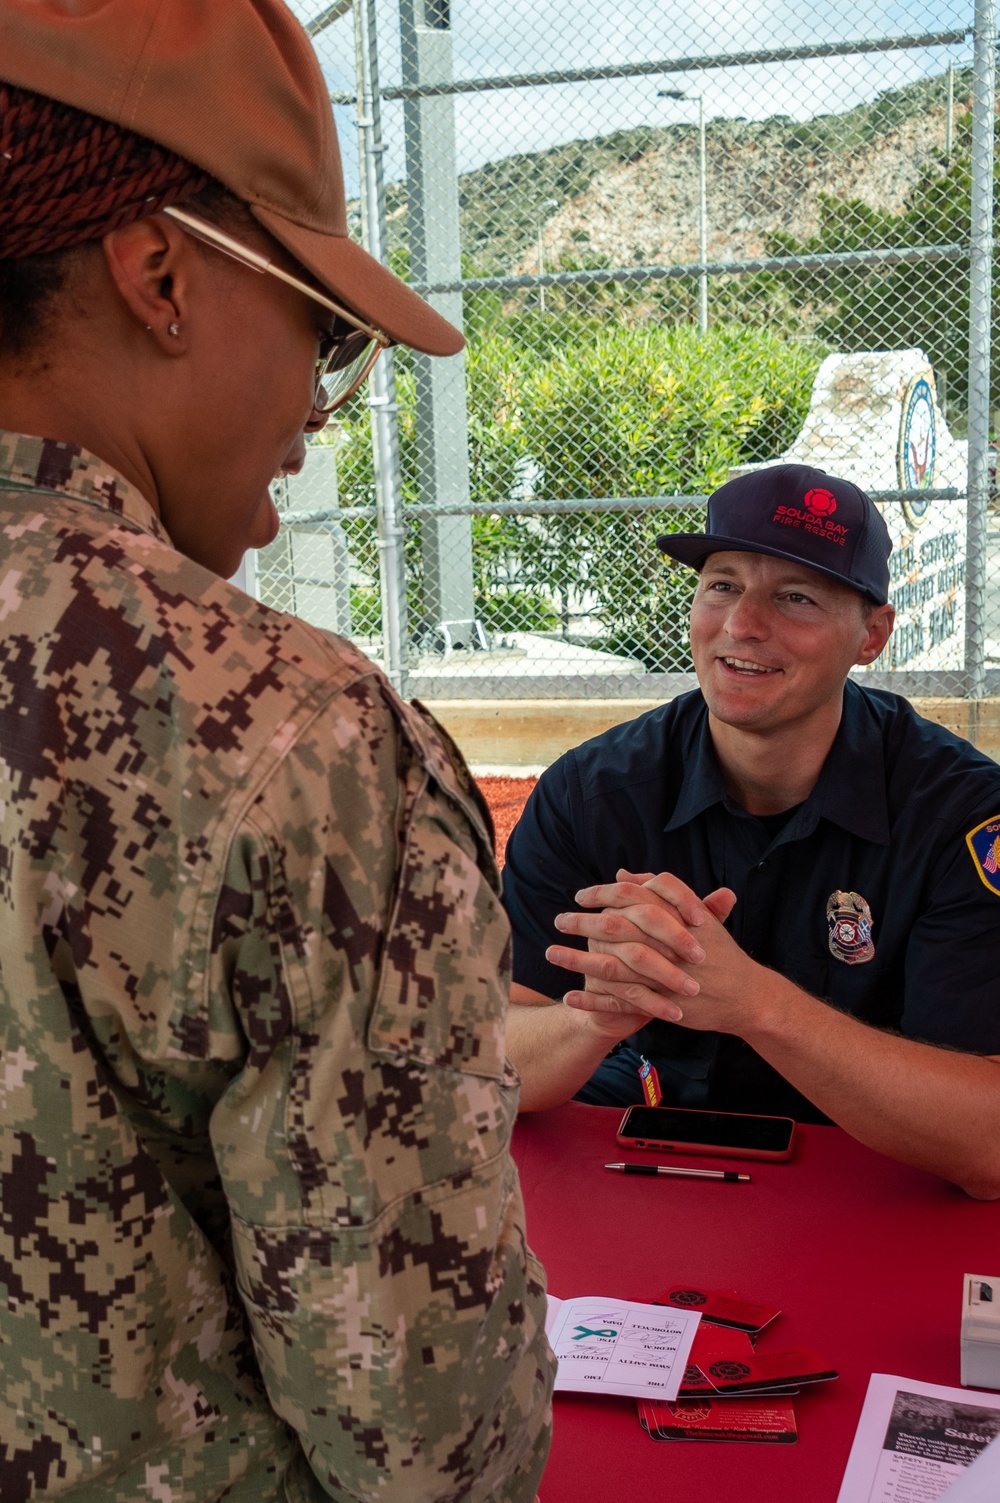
(506, 798)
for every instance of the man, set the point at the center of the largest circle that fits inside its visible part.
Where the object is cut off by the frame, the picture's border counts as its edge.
(789, 882)
(261, 1237)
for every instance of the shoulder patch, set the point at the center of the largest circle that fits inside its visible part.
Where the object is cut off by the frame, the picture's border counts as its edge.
(984, 846)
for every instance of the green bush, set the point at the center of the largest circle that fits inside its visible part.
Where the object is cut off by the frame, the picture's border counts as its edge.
(515, 610)
(625, 411)
(366, 610)
(647, 411)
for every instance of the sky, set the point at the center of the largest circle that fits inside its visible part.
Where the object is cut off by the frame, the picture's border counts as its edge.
(493, 38)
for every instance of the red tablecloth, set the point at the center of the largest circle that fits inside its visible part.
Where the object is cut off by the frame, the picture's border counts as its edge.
(864, 1256)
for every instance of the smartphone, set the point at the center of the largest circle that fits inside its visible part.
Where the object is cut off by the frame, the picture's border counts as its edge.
(727, 1134)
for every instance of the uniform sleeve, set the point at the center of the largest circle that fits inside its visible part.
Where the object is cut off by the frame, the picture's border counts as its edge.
(951, 994)
(543, 870)
(378, 1227)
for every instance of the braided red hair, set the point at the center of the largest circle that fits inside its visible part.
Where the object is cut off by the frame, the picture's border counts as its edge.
(67, 177)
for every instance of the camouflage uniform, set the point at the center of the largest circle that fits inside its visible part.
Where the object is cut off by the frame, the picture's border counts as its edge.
(260, 1233)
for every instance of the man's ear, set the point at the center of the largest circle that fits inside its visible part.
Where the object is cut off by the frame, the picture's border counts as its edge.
(878, 630)
(149, 262)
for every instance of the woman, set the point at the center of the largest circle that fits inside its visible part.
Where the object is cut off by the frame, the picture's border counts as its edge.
(259, 1228)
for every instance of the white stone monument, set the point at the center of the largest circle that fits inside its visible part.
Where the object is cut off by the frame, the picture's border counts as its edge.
(874, 418)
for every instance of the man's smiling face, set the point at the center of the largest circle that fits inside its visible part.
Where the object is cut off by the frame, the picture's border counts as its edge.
(773, 641)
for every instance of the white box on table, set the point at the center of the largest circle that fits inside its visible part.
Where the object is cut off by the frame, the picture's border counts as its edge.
(980, 1344)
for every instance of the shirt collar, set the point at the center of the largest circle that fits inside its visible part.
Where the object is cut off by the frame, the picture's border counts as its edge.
(701, 785)
(850, 790)
(47, 464)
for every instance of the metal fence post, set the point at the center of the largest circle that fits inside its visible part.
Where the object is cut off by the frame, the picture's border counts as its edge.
(702, 219)
(980, 315)
(382, 400)
(435, 256)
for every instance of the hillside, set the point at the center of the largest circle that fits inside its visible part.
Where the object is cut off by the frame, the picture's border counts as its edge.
(644, 211)
(631, 197)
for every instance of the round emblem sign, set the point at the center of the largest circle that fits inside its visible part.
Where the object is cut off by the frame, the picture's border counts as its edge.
(917, 453)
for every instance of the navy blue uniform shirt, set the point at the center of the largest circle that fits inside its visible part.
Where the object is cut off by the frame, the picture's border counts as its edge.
(887, 820)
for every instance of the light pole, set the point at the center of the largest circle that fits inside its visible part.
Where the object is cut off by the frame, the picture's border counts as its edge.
(548, 203)
(702, 203)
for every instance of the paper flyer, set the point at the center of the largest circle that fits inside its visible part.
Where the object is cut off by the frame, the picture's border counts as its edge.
(980, 1482)
(616, 1346)
(914, 1439)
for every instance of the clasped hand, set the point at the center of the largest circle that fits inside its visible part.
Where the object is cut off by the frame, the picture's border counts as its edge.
(655, 950)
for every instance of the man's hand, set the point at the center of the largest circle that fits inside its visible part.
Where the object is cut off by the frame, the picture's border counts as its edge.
(644, 960)
(657, 952)
(556, 1048)
(937, 1109)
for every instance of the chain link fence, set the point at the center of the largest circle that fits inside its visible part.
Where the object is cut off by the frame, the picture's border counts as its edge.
(681, 241)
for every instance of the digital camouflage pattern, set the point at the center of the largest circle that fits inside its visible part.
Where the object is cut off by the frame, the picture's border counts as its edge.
(260, 1233)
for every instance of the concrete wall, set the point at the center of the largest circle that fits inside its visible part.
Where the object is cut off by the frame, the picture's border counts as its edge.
(532, 733)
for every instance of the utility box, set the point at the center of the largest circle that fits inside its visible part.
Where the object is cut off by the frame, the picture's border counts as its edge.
(980, 1343)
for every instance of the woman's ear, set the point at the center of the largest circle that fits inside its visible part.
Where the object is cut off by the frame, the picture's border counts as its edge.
(150, 262)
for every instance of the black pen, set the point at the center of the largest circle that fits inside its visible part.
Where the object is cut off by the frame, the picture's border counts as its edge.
(729, 1175)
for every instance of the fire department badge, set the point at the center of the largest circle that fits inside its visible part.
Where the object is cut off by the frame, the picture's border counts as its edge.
(849, 920)
(984, 844)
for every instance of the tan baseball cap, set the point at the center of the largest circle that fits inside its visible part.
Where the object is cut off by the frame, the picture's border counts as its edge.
(235, 87)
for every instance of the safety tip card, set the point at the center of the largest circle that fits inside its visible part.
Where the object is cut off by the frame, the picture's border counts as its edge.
(616, 1346)
(917, 1442)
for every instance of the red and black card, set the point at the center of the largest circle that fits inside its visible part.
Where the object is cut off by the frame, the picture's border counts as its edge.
(719, 1307)
(724, 1362)
(720, 1419)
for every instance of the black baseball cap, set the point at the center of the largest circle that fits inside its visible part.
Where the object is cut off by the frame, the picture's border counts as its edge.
(796, 512)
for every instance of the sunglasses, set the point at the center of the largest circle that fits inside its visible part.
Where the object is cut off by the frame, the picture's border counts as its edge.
(347, 352)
